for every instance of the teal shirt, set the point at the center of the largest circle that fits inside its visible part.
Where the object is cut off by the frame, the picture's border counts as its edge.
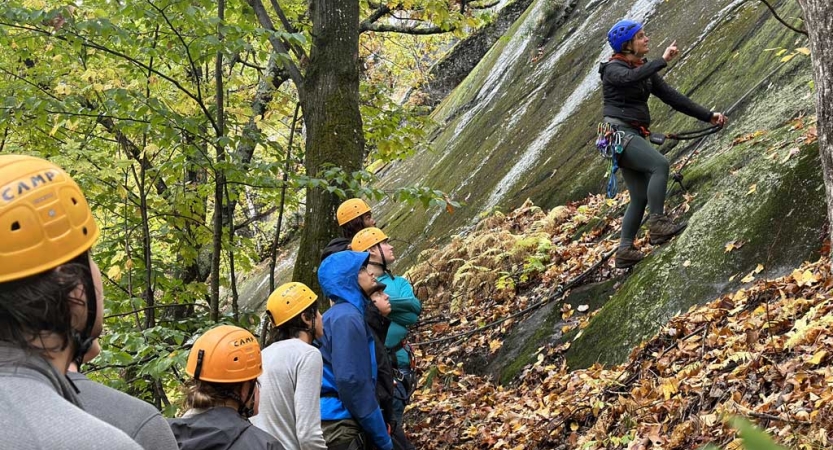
(405, 311)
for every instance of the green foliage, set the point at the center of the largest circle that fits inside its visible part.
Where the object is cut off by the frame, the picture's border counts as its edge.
(122, 95)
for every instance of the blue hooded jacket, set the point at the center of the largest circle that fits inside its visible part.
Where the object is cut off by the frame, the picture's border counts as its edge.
(348, 387)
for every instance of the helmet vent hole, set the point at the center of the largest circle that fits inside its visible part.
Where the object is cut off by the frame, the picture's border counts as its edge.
(236, 359)
(287, 302)
(15, 226)
(84, 230)
(74, 201)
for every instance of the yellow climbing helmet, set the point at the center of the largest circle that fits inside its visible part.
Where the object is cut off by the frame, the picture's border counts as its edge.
(367, 238)
(225, 354)
(350, 209)
(287, 301)
(45, 220)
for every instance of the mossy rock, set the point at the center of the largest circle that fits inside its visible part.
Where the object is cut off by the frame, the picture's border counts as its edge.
(521, 345)
(773, 206)
(479, 137)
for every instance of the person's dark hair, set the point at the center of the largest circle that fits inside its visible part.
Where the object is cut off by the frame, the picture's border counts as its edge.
(352, 227)
(204, 394)
(376, 288)
(41, 303)
(293, 327)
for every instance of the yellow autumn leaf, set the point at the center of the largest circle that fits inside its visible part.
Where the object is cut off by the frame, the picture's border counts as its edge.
(55, 128)
(63, 89)
(748, 278)
(114, 273)
(818, 357)
(788, 57)
(752, 189)
(806, 278)
(495, 345)
(758, 269)
(803, 50)
(668, 389)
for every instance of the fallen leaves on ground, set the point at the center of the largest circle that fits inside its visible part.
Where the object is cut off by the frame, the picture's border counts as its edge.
(762, 352)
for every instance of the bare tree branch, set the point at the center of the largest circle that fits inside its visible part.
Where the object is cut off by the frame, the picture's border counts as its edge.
(297, 49)
(777, 17)
(380, 12)
(385, 28)
(184, 46)
(266, 22)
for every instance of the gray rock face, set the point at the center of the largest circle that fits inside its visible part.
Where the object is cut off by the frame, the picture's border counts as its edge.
(521, 125)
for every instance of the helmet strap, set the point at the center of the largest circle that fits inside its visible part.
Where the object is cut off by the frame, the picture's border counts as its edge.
(247, 407)
(384, 263)
(198, 370)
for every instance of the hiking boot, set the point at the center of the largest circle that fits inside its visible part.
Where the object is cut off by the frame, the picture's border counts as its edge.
(628, 257)
(662, 229)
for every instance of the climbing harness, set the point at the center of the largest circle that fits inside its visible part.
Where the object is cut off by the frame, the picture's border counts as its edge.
(609, 142)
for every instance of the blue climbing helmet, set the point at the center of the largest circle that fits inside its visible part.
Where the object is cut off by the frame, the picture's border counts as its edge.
(622, 32)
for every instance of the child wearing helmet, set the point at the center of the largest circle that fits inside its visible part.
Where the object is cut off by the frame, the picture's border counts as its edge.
(350, 414)
(376, 316)
(224, 363)
(292, 369)
(628, 80)
(353, 215)
(405, 311)
(51, 303)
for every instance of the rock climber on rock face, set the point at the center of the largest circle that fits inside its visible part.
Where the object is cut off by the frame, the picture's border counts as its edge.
(628, 80)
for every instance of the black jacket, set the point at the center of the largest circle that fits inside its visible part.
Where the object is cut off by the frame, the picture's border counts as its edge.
(336, 245)
(626, 90)
(220, 429)
(384, 379)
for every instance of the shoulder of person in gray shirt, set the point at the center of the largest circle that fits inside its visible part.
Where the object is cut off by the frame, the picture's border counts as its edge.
(38, 411)
(138, 419)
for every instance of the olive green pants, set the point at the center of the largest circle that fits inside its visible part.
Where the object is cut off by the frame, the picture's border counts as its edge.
(645, 171)
(344, 434)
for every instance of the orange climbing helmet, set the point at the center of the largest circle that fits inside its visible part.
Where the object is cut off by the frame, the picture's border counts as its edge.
(45, 220)
(367, 238)
(287, 301)
(225, 354)
(350, 209)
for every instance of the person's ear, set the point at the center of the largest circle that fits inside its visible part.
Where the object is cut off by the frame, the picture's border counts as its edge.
(305, 317)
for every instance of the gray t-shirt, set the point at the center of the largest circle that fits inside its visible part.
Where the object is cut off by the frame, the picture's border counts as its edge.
(290, 389)
(140, 420)
(38, 410)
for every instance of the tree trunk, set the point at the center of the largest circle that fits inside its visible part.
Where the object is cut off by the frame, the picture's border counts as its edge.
(818, 17)
(219, 174)
(330, 100)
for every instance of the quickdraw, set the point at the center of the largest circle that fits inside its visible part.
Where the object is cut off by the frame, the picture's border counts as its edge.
(609, 142)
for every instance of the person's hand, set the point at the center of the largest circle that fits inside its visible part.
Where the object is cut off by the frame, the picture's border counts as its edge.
(718, 119)
(671, 52)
